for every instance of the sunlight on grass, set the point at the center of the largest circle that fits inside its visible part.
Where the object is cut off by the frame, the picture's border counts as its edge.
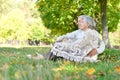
(14, 65)
(20, 46)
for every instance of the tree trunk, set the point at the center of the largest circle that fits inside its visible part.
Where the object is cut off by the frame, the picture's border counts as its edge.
(105, 33)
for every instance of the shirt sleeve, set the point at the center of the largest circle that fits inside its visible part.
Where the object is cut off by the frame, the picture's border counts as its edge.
(71, 35)
(101, 47)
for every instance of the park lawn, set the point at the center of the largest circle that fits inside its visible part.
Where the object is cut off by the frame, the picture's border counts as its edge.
(14, 65)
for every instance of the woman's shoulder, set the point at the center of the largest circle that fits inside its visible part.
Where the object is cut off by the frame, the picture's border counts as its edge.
(95, 31)
(92, 32)
(77, 31)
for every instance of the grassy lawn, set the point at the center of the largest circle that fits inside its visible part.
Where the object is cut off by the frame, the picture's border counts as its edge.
(15, 66)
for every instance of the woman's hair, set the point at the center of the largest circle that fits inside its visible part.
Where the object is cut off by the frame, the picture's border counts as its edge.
(89, 20)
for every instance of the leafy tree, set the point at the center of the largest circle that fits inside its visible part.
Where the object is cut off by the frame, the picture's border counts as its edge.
(22, 23)
(13, 26)
(6, 6)
(61, 16)
(104, 22)
(37, 29)
(56, 16)
(109, 15)
(113, 14)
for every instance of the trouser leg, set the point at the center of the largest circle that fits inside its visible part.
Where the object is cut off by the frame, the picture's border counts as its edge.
(50, 56)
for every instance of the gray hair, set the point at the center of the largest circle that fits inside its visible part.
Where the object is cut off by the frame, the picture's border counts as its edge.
(89, 20)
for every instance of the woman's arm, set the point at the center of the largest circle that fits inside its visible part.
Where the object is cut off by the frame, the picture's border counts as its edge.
(99, 50)
(101, 47)
(68, 36)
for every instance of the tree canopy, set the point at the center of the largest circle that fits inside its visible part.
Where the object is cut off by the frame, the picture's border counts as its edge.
(21, 22)
(61, 16)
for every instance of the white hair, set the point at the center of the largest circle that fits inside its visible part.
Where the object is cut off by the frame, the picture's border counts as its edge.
(89, 20)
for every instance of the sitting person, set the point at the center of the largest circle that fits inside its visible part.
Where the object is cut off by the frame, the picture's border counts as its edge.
(81, 45)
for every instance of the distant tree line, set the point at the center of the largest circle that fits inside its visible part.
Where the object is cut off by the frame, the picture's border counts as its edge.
(20, 23)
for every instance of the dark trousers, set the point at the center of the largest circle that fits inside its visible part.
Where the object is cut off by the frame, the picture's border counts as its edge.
(51, 56)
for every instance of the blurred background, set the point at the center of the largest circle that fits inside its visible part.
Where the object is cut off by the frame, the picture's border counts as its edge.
(39, 22)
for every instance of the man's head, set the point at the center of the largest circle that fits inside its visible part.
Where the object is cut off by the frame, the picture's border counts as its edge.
(85, 21)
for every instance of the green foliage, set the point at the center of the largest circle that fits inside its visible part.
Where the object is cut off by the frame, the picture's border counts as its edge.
(113, 14)
(61, 16)
(21, 20)
(14, 26)
(11, 23)
(6, 6)
(38, 31)
(58, 17)
(22, 23)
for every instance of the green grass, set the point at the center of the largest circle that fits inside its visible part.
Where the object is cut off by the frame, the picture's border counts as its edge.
(14, 65)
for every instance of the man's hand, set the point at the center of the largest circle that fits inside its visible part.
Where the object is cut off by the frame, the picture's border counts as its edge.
(92, 52)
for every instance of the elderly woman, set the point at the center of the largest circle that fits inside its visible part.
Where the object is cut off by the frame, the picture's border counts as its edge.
(81, 45)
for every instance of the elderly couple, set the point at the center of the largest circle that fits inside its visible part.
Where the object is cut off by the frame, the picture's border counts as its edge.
(81, 45)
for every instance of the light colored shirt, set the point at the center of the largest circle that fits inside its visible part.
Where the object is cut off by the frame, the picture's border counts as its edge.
(76, 45)
(79, 35)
